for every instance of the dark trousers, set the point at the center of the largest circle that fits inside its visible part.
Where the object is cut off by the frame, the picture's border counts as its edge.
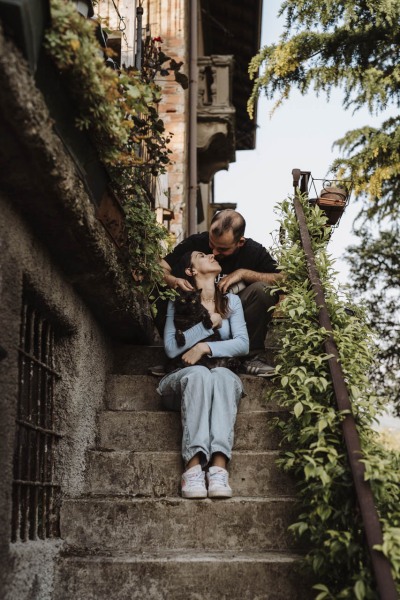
(256, 299)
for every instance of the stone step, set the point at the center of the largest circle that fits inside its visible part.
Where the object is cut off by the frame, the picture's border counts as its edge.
(138, 392)
(142, 525)
(162, 431)
(124, 473)
(181, 576)
(129, 359)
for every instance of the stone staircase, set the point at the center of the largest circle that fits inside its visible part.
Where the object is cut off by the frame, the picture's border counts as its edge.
(133, 537)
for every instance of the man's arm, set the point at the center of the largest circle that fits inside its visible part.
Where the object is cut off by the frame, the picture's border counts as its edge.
(248, 277)
(172, 281)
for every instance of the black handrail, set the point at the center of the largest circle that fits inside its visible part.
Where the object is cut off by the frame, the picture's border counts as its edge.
(380, 564)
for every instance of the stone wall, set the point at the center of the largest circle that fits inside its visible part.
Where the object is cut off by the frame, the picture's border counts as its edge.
(82, 358)
(52, 243)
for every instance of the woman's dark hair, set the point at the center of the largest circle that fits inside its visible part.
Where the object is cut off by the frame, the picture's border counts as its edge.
(221, 300)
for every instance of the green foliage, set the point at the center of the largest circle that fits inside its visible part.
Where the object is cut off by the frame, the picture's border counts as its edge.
(147, 241)
(329, 520)
(354, 46)
(364, 35)
(119, 111)
(117, 107)
(377, 259)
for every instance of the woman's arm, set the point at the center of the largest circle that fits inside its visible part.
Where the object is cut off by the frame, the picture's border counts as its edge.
(195, 334)
(238, 344)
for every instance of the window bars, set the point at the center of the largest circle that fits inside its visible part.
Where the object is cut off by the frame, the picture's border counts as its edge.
(35, 510)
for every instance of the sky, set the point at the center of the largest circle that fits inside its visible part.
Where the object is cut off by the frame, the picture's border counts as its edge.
(300, 135)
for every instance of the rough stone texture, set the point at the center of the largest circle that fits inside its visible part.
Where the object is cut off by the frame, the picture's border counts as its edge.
(138, 392)
(51, 239)
(186, 576)
(158, 474)
(43, 182)
(142, 525)
(157, 431)
(131, 359)
(133, 530)
(32, 565)
(50, 236)
(83, 358)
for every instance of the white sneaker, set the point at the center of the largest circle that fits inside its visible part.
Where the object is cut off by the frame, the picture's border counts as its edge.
(193, 483)
(218, 485)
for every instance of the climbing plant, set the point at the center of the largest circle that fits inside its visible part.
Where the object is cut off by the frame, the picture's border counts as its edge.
(118, 109)
(354, 47)
(329, 520)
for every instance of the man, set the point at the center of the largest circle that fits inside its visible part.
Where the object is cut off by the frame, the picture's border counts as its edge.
(246, 266)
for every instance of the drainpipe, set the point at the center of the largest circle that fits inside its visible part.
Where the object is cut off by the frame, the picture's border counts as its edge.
(139, 18)
(193, 86)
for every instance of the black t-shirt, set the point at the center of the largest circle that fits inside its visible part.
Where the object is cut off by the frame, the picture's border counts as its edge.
(251, 255)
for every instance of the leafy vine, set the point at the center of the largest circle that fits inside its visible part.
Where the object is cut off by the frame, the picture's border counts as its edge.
(119, 111)
(329, 519)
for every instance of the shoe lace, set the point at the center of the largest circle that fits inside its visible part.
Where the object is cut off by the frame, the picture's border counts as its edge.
(196, 477)
(220, 478)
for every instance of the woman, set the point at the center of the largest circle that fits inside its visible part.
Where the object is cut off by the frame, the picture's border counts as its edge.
(207, 398)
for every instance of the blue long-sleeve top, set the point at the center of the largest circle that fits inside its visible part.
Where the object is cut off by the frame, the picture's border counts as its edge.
(234, 337)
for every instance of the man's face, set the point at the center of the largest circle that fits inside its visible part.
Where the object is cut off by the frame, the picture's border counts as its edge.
(224, 245)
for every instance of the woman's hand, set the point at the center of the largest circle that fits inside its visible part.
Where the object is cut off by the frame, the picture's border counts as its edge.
(216, 320)
(192, 356)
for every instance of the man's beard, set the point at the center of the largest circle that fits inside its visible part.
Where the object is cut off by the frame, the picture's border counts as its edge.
(220, 257)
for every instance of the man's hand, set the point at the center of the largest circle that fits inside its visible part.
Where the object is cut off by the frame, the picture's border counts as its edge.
(192, 356)
(183, 284)
(174, 282)
(227, 281)
(249, 276)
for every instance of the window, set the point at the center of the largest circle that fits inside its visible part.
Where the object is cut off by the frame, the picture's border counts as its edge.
(35, 511)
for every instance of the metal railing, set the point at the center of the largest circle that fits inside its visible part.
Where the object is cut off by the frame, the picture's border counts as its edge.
(380, 564)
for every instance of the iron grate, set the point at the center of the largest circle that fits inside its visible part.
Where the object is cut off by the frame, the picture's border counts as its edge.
(35, 513)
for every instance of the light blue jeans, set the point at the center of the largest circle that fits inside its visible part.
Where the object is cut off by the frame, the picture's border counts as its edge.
(208, 400)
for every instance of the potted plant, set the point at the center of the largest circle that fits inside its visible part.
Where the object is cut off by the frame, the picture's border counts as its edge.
(332, 200)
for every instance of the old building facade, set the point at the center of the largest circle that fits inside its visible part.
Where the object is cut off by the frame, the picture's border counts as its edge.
(67, 302)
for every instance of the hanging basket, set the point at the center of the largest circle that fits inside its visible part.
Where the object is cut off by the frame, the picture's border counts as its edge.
(332, 200)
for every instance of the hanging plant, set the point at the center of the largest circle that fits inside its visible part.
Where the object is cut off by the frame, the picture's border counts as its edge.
(118, 109)
(156, 61)
(110, 104)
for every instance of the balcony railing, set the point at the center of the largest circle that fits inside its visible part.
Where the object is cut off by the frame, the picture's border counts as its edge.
(215, 115)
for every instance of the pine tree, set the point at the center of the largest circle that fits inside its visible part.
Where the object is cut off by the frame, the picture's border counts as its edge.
(354, 45)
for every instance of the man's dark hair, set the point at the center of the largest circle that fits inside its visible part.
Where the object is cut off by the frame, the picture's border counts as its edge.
(228, 220)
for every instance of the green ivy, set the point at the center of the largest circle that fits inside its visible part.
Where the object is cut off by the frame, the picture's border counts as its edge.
(145, 239)
(329, 520)
(119, 111)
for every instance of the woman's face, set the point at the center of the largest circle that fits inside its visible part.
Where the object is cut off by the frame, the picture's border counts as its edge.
(204, 263)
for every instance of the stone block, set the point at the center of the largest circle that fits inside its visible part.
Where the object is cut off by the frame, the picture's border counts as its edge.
(182, 576)
(162, 431)
(138, 392)
(156, 474)
(145, 525)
